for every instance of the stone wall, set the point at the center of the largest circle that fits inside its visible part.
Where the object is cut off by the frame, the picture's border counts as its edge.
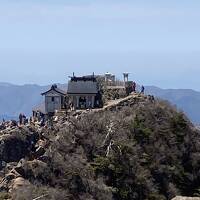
(113, 93)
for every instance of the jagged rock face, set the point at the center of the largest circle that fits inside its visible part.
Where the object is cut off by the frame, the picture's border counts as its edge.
(12, 148)
(18, 183)
(30, 169)
(16, 145)
(135, 148)
(111, 94)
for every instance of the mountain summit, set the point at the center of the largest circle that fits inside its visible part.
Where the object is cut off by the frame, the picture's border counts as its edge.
(132, 148)
(28, 96)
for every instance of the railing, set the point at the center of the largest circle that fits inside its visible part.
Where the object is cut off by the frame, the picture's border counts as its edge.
(116, 85)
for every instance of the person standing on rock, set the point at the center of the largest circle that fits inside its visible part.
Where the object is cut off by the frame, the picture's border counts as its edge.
(20, 119)
(134, 86)
(71, 106)
(142, 89)
(90, 105)
(42, 123)
(24, 119)
(30, 120)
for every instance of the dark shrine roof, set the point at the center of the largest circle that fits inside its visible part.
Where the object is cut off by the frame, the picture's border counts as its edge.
(84, 78)
(56, 89)
(83, 85)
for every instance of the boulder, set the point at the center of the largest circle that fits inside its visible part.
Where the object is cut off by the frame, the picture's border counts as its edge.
(12, 148)
(7, 181)
(2, 127)
(19, 168)
(16, 144)
(39, 152)
(186, 198)
(32, 169)
(19, 183)
(75, 184)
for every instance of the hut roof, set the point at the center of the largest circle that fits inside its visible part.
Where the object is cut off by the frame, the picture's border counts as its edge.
(82, 85)
(56, 89)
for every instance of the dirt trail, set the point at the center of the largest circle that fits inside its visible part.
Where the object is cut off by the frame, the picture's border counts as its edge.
(118, 101)
(111, 104)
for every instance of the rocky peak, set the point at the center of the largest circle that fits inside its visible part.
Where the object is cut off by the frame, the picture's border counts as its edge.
(133, 144)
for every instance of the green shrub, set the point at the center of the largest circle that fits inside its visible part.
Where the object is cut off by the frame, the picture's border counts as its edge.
(100, 164)
(142, 132)
(178, 122)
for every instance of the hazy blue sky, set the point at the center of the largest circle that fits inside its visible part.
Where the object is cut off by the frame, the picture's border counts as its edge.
(43, 41)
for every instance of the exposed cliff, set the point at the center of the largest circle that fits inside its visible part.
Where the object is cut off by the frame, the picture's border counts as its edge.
(134, 148)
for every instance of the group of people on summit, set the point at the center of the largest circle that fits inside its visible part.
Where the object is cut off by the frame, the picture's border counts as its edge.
(134, 85)
(22, 119)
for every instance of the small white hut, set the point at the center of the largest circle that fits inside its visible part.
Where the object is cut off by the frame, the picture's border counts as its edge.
(54, 99)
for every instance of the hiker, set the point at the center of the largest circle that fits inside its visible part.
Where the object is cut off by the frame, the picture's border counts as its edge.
(20, 119)
(97, 103)
(23, 119)
(2, 125)
(12, 123)
(142, 89)
(90, 105)
(38, 117)
(71, 106)
(50, 121)
(42, 122)
(3, 122)
(134, 87)
(30, 120)
(152, 99)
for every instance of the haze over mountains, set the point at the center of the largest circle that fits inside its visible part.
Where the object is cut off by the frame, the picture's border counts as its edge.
(187, 100)
(22, 98)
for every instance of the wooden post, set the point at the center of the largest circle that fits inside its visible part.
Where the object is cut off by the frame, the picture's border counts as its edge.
(77, 101)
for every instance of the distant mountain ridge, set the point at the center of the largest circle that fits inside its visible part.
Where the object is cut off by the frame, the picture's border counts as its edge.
(18, 98)
(22, 98)
(187, 100)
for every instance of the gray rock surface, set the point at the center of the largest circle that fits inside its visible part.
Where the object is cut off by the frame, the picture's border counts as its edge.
(16, 144)
(186, 198)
